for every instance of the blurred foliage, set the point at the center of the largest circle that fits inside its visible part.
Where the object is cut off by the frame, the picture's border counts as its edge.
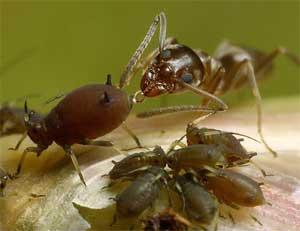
(79, 42)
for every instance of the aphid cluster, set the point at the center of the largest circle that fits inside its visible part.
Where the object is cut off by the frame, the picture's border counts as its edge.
(199, 173)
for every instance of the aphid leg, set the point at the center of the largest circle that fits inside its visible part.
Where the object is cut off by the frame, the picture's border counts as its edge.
(114, 221)
(252, 81)
(132, 135)
(127, 74)
(71, 154)
(263, 172)
(37, 150)
(181, 196)
(19, 142)
(256, 220)
(274, 54)
(103, 143)
(175, 143)
(231, 218)
(165, 183)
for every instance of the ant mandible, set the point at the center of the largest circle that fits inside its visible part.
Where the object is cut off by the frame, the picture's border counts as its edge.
(174, 68)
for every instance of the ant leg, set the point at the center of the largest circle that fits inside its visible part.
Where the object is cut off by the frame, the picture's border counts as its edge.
(252, 81)
(172, 109)
(127, 74)
(223, 105)
(275, 53)
(132, 135)
(37, 150)
(71, 154)
(215, 84)
(19, 142)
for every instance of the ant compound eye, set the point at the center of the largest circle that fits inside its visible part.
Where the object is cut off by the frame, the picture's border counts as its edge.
(187, 78)
(166, 54)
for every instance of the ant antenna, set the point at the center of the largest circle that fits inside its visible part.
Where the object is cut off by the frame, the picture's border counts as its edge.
(127, 74)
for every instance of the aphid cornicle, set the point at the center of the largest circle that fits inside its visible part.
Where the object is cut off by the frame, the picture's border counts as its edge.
(196, 157)
(138, 162)
(86, 113)
(199, 204)
(175, 68)
(233, 188)
(142, 192)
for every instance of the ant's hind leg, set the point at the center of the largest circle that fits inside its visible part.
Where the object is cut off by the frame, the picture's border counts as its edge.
(274, 54)
(247, 66)
(71, 154)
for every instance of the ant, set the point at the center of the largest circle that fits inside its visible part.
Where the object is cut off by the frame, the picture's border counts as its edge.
(86, 113)
(11, 116)
(174, 68)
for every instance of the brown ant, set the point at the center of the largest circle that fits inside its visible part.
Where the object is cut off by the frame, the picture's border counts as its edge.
(86, 113)
(175, 68)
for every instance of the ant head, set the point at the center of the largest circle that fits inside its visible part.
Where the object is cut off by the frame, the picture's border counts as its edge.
(160, 77)
(36, 127)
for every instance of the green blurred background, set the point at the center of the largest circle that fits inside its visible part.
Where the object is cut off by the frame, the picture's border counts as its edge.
(70, 43)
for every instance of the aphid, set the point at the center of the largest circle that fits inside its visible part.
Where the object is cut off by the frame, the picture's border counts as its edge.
(233, 188)
(84, 114)
(11, 120)
(141, 193)
(175, 68)
(138, 162)
(198, 203)
(196, 157)
(12, 117)
(232, 148)
(167, 220)
(4, 176)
